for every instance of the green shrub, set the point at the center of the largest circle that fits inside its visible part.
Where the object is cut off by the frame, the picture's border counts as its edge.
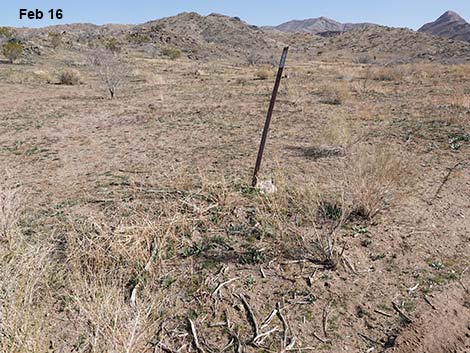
(172, 53)
(113, 45)
(138, 38)
(12, 51)
(6, 32)
(55, 39)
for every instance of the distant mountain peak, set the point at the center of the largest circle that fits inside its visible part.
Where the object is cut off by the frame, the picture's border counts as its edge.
(451, 16)
(450, 24)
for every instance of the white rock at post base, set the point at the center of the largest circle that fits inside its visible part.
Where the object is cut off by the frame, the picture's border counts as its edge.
(266, 186)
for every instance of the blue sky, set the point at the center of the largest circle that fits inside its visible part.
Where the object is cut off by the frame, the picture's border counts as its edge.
(398, 13)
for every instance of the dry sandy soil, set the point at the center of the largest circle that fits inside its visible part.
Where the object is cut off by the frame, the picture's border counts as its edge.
(128, 225)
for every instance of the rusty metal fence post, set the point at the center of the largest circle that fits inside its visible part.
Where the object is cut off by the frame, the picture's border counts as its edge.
(268, 117)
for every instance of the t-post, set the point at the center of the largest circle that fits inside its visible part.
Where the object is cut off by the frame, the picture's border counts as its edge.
(268, 117)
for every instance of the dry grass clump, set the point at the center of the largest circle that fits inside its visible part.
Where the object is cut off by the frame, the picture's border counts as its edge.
(43, 76)
(338, 132)
(123, 251)
(363, 59)
(26, 272)
(371, 180)
(26, 300)
(109, 280)
(461, 99)
(11, 207)
(70, 77)
(462, 71)
(107, 322)
(387, 74)
(264, 73)
(172, 53)
(334, 94)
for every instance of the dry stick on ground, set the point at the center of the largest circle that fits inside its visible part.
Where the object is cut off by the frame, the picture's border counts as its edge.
(325, 317)
(460, 280)
(233, 334)
(163, 348)
(368, 339)
(382, 313)
(319, 338)
(269, 318)
(300, 349)
(262, 272)
(195, 338)
(426, 299)
(348, 265)
(230, 344)
(402, 314)
(157, 342)
(219, 287)
(262, 336)
(251, 316)
(446, 179)
(285, 325)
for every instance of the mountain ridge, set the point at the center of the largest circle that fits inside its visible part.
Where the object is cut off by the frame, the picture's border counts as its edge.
(450, 25)
(318, 25)
(217, 36)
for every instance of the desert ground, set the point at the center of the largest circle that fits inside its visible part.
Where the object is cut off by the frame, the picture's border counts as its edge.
(130, 224)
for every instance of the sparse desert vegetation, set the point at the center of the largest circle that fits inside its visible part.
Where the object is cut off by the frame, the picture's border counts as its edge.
(264, 73)
(172, 53)
(12, 51)
(128, 224)
(70, 77)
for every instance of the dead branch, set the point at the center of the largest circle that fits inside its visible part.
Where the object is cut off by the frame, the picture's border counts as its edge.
(285, 326)
(325, 317)
(251, 316)
(164, 348)
(460, 280)
(291, 344)
(262, 336)
(240, 348)
(348, 265)
(319, 338)
(302, 349)
(219, 287)
(195, 338)
(401, 313)
(426, 299)
(382, 313)
(230, 344)
(263, 275)
(133, 298)
(269, 318)
(446, 179)
(368, 339)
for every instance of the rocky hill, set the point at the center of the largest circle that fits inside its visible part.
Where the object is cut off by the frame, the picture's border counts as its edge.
(214, 35)
(219, 37)
(399, 44)
(318, 25)
(450, 25)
